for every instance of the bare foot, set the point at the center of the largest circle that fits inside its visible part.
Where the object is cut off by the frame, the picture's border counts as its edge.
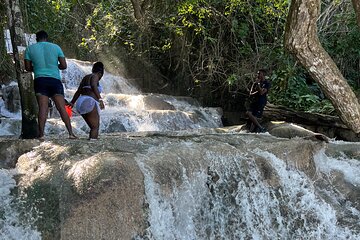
(73, 137)
(41, 139)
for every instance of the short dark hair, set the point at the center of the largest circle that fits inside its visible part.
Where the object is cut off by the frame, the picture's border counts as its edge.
(41, 35)
(98, 67)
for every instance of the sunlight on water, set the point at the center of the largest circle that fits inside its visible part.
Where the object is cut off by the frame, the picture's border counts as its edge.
(127, 109)
(11, 227)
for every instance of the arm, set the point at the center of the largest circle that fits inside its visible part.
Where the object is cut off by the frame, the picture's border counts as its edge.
(254, 88)
(265, 89)
(28, 65)
(77, 93)
(94, 86)
(75, 97)
(262, 91)
(62, 63)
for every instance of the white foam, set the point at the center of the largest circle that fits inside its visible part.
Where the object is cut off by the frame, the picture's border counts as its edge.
(11, 227)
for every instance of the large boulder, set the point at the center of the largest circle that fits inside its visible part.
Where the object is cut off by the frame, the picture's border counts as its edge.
(11, 149)
(98, 189)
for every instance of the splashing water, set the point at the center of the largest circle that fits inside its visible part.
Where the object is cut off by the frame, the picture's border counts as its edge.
(127, 109)
(11, 227)
(241, 204)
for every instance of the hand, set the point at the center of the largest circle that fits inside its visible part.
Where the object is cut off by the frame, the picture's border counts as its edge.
(102, 105)
(69, 104)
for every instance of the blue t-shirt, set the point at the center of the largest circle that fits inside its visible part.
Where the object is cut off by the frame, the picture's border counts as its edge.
(44, 57)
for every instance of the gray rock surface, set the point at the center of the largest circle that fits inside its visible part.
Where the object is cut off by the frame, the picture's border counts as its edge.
(96, 189)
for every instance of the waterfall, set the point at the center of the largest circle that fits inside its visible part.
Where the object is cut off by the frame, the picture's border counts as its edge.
(13, 226)
(197, 183)
(239, 203)
(127, 109)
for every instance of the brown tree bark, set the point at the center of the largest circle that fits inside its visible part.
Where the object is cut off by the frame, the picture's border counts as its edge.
(301, 39)
(29, 107)
(138, 9)
(280, 113)
(356, 4)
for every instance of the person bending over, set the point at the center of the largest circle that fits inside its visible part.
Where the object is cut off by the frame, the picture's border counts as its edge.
(45, 59)
(257, 101)
(88, 99)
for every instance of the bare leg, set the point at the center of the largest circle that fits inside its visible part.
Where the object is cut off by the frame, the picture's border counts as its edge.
(93, 121)
(60, 106)
(43, 102)
(253, 120)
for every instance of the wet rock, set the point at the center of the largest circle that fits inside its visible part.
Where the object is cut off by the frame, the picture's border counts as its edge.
(104, 189)
(155, 103)
(11, 149)
(288, 130)
(11, 97)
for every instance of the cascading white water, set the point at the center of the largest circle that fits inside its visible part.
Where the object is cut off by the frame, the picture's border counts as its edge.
(242, 205)
(231, 200)
(127, 109)
(12, 226)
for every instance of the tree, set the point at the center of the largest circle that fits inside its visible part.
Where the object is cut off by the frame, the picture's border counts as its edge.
(356, 4)
(138, 9)
(301, 39)
(29, 109)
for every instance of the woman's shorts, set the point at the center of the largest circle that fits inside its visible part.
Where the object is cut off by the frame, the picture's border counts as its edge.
(86, 104)
(48, 86)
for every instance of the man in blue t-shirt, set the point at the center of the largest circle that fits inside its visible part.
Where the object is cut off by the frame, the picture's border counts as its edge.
(45, 59)
(258, 99)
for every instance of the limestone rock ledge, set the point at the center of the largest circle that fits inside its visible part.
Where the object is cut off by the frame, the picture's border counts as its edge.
(95, 189)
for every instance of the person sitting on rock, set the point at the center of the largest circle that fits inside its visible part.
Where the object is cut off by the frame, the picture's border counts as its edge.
(257, 100)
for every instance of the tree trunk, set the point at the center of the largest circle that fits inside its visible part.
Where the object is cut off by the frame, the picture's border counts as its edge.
(302, 40)
(356, 4)
(29, 107)
(280, 113)
(138, 10)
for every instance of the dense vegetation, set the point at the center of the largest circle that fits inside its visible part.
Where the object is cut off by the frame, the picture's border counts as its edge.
(209, 49)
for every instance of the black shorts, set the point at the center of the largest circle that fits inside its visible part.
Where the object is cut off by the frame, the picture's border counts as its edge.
(257, 109)
(255, 106)
(48, 86)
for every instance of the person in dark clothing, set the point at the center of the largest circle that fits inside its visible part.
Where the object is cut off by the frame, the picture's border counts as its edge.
(257, 101)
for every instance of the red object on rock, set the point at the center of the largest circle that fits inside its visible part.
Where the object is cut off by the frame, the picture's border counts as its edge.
(68, 110)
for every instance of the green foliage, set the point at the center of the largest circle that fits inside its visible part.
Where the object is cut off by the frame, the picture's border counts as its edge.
(290, 89)
(48, 15)
(205, 47)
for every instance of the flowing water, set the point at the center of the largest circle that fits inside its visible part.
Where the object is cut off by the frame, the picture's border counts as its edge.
(241, 204)
(127, 109)
(231, 200)
(13, 225)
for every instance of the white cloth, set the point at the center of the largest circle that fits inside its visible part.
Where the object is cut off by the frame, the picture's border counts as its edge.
(86, 104)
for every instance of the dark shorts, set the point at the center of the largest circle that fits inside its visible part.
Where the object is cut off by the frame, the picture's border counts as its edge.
(48, 86)
(255, 106)
(257, 109)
